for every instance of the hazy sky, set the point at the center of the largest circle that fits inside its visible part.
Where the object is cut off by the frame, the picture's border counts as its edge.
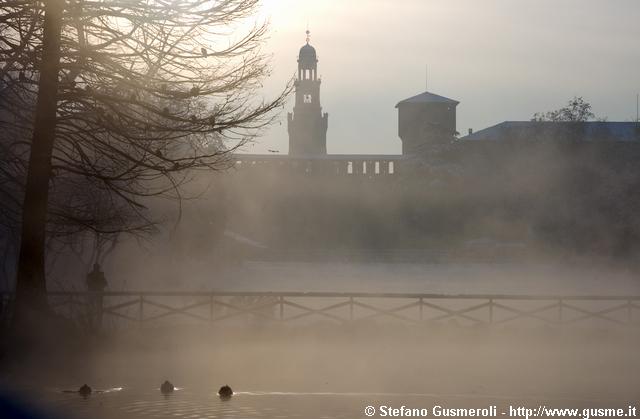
(502, 59)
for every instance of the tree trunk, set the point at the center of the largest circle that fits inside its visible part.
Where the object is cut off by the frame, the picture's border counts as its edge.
(31, 291)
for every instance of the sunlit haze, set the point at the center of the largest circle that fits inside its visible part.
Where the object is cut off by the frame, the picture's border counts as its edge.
(431, 210)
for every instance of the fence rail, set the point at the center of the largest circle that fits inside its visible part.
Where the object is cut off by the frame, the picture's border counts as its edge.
(116, 309)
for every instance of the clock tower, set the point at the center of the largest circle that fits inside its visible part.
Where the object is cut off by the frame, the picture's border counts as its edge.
(307, 125)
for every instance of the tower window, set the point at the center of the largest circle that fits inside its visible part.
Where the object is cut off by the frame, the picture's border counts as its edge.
(307, 98)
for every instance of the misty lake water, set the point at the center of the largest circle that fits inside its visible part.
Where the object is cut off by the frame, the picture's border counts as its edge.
(336, 372)
(149, 403)
(186, 403)
(133, 403)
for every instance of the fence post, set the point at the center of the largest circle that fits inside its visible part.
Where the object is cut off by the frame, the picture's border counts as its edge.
(421, 309)
(490, 310)
(140, 309)
(560, 310)
(351, 308)
(211, 308)
(629, 312)
(71, 301)
(281, 300)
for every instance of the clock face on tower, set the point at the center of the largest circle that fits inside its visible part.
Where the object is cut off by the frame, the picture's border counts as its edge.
(307, 99)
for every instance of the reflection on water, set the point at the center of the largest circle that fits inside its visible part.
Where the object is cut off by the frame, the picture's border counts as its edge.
(129, 403)
(96, 391)
(193, 404)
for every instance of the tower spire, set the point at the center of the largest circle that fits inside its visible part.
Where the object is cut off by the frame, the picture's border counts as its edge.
(307, 124)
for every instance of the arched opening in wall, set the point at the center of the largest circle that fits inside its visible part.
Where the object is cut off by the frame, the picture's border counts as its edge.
(350, 168)
(391, 168)
(364, 167)
(377, 168)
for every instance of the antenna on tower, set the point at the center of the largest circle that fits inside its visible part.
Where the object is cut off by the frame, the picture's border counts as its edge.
(426, 77)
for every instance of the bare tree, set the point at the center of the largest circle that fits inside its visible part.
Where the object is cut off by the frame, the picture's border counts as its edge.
(122, 100)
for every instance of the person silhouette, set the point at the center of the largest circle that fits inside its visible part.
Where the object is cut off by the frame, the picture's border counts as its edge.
(96, 281)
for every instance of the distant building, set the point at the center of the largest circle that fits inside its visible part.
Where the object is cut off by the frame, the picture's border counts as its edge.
(426, 127)
(537, 131)
(560, 183)
(426, 120)
(307, 125)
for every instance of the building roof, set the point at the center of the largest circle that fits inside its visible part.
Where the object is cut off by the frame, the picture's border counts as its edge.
(428, 97)
(535, 130)
(307, 53)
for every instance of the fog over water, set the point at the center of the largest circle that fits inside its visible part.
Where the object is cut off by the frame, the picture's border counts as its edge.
(331, 371)
(506, 272)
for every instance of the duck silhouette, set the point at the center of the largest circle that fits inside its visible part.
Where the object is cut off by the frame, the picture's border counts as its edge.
(225, 392)
(167, 387)
(85, 390)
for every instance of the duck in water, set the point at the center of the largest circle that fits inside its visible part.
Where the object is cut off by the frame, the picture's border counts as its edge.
(85, 390)
(167, 388)
(225, 392)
